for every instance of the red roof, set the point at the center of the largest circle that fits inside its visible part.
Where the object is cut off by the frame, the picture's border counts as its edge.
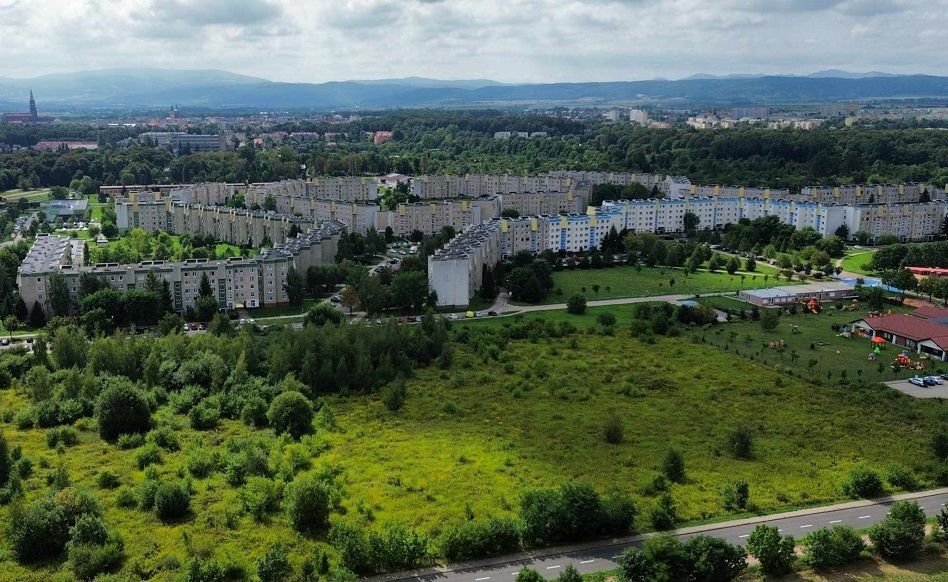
(907, 326)
(931, 312)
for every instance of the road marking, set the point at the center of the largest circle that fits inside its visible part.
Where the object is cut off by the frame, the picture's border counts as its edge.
(806, 526)
(616, 557)
(837, 521)
(744, 536)
(864, 517)
(587, 561)
(553, 567)
(481, 579)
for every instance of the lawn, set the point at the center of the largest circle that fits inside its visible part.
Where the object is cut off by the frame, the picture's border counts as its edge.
(854, 263)
(281, 310)
(474, 437)
(627, 281)
(37, 195)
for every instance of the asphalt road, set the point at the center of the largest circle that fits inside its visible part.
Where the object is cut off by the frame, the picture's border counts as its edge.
(603, 557)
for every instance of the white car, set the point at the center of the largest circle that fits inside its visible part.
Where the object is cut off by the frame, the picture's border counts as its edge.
(935, 379)
(917, 380)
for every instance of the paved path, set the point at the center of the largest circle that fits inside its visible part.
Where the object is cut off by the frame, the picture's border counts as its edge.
(620, 301)
(599, 556)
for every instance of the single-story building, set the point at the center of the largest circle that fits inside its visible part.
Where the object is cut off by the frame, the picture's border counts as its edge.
(912, 332)
(778, 296)
(66, 208)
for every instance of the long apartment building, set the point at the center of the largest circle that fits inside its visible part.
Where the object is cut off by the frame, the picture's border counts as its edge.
(455, 272)
(237, 282)
(870, 194)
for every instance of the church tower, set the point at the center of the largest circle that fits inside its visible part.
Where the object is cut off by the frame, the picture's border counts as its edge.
(33, 112)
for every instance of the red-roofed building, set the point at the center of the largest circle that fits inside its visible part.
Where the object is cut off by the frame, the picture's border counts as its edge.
(915, 333)
(381, 137)
(932, 313)
(928, 271)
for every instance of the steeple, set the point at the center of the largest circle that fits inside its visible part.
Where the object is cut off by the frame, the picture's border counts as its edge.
(33, 112)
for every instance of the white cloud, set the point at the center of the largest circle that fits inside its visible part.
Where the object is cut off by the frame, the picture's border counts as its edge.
(509, 40)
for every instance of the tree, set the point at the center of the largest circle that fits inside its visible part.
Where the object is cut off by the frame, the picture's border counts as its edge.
(673, 466)
(775, 553)
(736, 495)
(750, 265)
(410, 289)
(613, 432)
(69, 347)
(524, 285)
(349, 297)
(576, 305)
(4, 461)
(831, 547)
(169, 324)
(901, 279)
(59, 300)
(295, 287)
(528, 575)
(204, 287)
(901, 535)
(714, 560)
(733, 265)
(10, 323)
(274, 565)
(172, 501)
(307, 503)
(122, 409)
(323, 313)
(769, 319)
(570, 574)
(863, 482)
(291, 412)
(740, 443)
(690, 222)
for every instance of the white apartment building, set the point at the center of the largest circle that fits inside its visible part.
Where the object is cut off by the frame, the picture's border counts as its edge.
(455, 272)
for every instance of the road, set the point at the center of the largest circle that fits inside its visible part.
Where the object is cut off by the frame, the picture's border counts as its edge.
(602, 556)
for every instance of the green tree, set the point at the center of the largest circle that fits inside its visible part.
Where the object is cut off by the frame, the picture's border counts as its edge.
(204, 287)
(291, 413)
(831, 547)
(323, 313)
(775, 553)
(122, 409)
(69, 347)
(576, 305)
(308, 502)
(295, 287)
(750, 265)
(4, 461)
(673, 466)
(528, 575)
(691, 222)
(410, 289)
(59, 300)
(901, 535)
(733, 265)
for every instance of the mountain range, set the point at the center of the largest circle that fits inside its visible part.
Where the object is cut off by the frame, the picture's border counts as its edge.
(134, 88)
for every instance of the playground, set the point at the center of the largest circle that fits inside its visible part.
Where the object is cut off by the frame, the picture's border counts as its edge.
(818, 343)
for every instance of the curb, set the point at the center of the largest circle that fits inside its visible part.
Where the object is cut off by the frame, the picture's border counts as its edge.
(557, 550)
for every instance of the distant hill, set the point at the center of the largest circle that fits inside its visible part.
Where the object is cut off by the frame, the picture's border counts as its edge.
(151, 88)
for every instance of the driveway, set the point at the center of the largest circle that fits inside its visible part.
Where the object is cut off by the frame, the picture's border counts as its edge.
(904, 386)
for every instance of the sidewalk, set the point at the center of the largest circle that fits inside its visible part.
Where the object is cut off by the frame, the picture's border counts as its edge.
(708, 528)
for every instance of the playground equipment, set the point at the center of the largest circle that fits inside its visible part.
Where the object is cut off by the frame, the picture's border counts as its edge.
(813, 306)
(904, 362)
(777, 345)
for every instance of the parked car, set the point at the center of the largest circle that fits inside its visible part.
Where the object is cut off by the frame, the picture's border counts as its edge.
(935, 379)
(492, 313)
(453, 316)
(5, 341)
(202, 327)
(917, 380)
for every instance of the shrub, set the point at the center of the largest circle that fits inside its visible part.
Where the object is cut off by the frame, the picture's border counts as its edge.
(528, 575)
(126, 498)
(122, 409)
(92, 549)
(479, 539)
(901, 477)
(363, 552)
(254, 412)
(673, 466)
(65, 435)
(205, 415)
(736, 495)
(901, 535)
(307, 503)
(172, 501)
(202, 462)
(940, 444)
(212, 570)
(613, 432)
(740, 443)
(393, 396)
(165, 437)
(775, 553)
(664, 514)
(714, 559)
(606, 319)
(291, 413)
(541, 511)
(107, 480)
(862, 482)
(41, 530)
(130, 441)
(274, 565)
(830, 547)
(250, 460)
(259, 496)
(570, 574)
(149, 454)
(576, 304)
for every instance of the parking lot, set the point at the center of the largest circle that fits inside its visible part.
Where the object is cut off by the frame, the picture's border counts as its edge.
(938, 391)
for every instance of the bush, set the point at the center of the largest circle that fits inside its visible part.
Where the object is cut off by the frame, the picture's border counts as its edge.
(130, 441)
(92, 549)
(775, 553)
(274, 565)
(528, 575)
(291, 412)
(736, 495)
(862, 482)
(65, 435)
(202, 462)
(673, 466)
(606, 319)
(393, 396)
(576, 304)
(613, 432)
(205, 415)
(165, 437)
(901, 477)
(126, 498)
(107, 480)
(714, 559)
(172, 501)
(122, 409)
(211, 570)
(259, 496)
(308, 500)
(480, 539)
(41, 530)
(830, 547)
(149, 454)
(740, 443)
(363, 552)
(664, 514)
(901, 535)
(254, 412)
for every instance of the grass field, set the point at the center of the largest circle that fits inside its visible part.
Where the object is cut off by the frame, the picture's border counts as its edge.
(854, 262)
(481, 434)
(37, 195)
(627, 281)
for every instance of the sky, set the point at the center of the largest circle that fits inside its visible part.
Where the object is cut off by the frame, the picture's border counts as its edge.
(503, 40)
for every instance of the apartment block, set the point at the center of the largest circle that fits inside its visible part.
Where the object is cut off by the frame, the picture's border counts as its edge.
(455, 271)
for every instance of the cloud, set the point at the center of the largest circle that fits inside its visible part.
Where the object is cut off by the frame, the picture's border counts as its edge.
(859, 30)
(215, 12)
